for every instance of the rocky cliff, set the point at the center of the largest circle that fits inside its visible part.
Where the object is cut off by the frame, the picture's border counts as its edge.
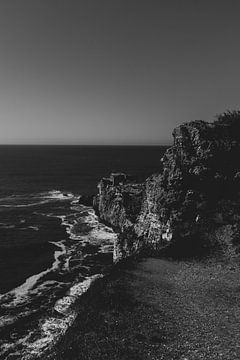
(119, 203)
(193, 206)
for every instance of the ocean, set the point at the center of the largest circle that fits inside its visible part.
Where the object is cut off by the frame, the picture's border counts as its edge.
(51, 247)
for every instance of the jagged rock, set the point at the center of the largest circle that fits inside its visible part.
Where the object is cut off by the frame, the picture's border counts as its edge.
(119, 203)
(192, 206)
(198, 191)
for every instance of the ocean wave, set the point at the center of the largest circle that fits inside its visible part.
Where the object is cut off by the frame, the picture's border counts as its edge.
(6, 320)
(23, 205)
(23, 201)
(57, 195)
(50, 329)
(65, 281)
(21, 293)
(6, 226)
(32, 227)
(64, 304)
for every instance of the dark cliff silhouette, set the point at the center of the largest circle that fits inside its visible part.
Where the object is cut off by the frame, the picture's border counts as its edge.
(192, 207)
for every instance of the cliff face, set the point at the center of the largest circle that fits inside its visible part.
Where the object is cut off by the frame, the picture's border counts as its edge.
(192, 207)
(195, 202)
(118, 203)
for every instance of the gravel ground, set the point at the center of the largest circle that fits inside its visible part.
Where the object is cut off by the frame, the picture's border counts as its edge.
(159, 309)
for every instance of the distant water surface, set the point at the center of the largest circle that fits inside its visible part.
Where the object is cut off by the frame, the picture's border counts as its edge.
(29, 169)
(51, 248)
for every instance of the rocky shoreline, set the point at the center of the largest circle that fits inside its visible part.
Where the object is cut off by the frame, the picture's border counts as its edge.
(182, 304)
(192, 207)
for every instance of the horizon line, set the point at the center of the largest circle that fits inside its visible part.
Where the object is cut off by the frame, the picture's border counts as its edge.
(77, 144)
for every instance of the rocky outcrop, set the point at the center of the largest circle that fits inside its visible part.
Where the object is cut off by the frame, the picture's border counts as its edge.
(193, 206)
(118, 203)
(196, 199)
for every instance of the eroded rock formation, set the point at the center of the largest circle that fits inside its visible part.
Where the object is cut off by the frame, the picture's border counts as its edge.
(119, 203)
(193, 206)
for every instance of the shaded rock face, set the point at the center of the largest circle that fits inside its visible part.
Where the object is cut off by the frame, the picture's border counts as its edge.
(118, 203)
(193, 206)
(198, 195)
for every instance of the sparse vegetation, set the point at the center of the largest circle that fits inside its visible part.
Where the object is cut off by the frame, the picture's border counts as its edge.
(229, 118)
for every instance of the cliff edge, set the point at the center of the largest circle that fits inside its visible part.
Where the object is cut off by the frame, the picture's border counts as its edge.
(192, 207)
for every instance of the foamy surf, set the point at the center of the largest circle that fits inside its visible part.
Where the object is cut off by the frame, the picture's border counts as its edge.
(50, 329)
(71, 274)
(58, 195)
(63, 305)
(21, 293)
(23, 201)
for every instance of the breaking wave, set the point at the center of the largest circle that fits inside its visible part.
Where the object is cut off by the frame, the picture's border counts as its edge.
(43, 306)
(21, 201)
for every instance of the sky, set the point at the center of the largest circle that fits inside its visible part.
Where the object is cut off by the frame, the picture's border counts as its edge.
(114, 71)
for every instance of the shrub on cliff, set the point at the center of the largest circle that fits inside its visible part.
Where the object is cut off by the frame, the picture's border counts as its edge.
(228, 117)
(192, 206)
(231, 121)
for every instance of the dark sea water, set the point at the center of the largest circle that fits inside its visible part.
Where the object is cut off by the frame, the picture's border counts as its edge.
(52, 248)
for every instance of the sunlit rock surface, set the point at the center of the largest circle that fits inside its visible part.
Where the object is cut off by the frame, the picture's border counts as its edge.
(192, 207)
(118, 203)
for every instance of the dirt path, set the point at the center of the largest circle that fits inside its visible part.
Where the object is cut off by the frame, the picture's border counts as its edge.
(160, 309)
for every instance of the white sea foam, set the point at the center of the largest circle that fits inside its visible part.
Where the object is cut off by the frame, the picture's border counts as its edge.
(20, 293)
(69, 226)
(6, 226)
(99, 234)
(12, 346)
(42, 198)
(24, 205)
(11, 319)
(58, 195)
(41, 288)
(75, 201)
(50, 329)
(34, 227)
(7, 320)
(58, 253)
(64, 304)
